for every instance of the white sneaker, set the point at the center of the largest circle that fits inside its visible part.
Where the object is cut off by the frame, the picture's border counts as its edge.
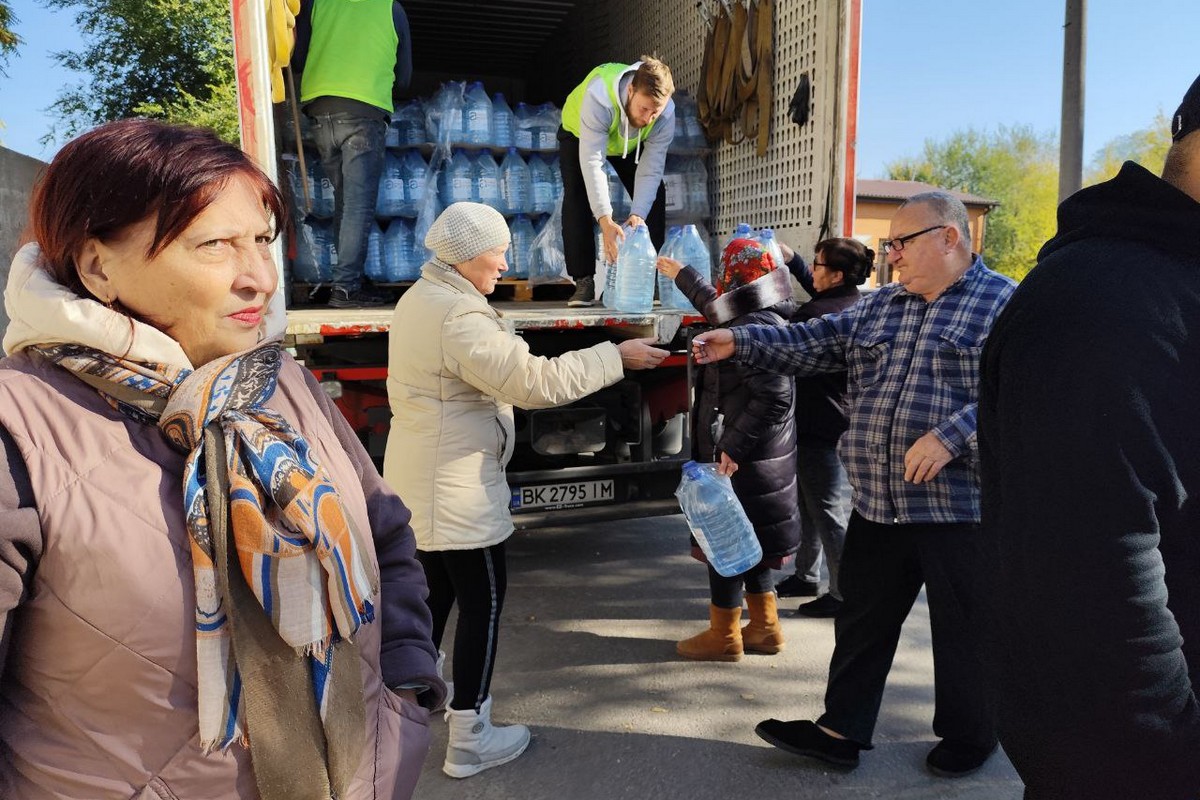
(475, 744)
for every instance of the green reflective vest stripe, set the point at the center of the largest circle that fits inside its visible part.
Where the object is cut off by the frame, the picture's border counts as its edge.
(573, 108)
(352, 52)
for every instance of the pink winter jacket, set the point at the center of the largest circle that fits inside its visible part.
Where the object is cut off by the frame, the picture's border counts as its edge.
(98, 690)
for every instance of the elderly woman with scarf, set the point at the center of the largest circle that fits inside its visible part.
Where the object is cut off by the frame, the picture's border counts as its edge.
(744, 421)
(452, 436)
(206, 590)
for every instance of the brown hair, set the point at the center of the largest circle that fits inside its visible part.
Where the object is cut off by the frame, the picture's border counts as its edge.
(653, 77)
(123, 172)
(850, 257)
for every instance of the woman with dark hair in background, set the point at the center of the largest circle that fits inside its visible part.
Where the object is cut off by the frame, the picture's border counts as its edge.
(840, 267)
(206, 589)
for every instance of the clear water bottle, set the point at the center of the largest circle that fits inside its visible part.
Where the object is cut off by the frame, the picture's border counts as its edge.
(389, 200)
(391, 137)
(522, 127)
(477, 115)
(608, 296)
(691, 249)
(409, 121)
(547, 127)
(635, 272)
(766, 237)
(457, 185)
(516, 185)
(718, 520)
(373, 266)
(444, 114)
(398, 252)
(542, 181)
(556, 173)
(486, 175)
(502, 122)
(742, 231)
(521, 249)
(669, 295)
(415, 173)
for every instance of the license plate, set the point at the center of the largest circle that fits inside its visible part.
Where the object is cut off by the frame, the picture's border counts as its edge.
(562, 495)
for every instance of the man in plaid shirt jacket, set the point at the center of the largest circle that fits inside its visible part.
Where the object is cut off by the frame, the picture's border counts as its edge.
(912, 353)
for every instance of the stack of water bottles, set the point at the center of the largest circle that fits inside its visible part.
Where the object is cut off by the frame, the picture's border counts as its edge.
(316, 250)
(764, 236)
(717, 520)
(689, 133)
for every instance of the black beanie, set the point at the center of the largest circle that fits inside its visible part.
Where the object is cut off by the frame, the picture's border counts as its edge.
(1187, 116)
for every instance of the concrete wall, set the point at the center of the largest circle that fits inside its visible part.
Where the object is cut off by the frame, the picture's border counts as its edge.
(17, 173)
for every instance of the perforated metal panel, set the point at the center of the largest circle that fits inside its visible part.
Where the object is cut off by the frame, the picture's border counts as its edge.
(796, 187)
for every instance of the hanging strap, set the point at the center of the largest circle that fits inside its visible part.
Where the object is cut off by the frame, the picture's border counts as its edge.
(736, 92)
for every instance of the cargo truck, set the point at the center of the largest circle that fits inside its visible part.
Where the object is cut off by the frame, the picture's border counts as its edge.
(616, 453)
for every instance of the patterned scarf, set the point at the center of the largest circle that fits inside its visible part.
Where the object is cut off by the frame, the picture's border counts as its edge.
(294, 543)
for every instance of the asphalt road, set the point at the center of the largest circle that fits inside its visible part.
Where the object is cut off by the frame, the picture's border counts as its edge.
(587, 660)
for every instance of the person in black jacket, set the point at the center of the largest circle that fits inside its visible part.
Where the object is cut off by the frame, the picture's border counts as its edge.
(745, 420)
(840, 267)
(1090, 447)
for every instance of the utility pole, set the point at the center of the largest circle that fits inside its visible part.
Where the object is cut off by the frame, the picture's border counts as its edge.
(1070, 148)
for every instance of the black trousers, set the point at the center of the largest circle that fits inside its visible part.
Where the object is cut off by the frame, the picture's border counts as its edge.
(882, 570)
(727, 592)
(477, 580)
(577, 219)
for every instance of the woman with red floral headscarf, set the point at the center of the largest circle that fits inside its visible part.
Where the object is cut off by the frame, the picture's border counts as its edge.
(744, 420)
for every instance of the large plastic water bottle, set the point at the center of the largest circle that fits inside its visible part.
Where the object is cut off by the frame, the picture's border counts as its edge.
(477, 115)
(556, 173)
(373, 266)
(608, 296)
(742, 231)
(718, 520)
(315, 252)
(691, 249)
(516, 186)
(522, 127)
(542, 181)
(487, 181)
(409, 122)
(635, 272)
(521, 250)
(444, 114)
(415, 173)
(457, 180)
(547, 127)
(766, 237)
(669, 295)
(389, 200)
(502, 122)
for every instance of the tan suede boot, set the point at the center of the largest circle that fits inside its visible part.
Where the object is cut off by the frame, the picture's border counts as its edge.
(763, 634)
(721, 642)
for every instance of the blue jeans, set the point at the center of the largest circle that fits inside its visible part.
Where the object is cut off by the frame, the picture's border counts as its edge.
(352, 151)
(824, 511)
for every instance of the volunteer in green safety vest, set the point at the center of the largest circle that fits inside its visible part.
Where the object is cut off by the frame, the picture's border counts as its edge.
(622, 113)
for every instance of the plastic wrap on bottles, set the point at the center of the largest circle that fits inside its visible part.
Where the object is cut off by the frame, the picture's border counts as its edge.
(477, 115)
(399, 251)
(408, 121)
(556, 172)
(431, 205)
(516, 186)
(373, 266)
(675, 185)
(521, 248)
(486, 175)
(322, 190)
(316, 252)
(523, 126)
(389, 201)
(635, 272)
(296, 184)
(502, 122)
(717, 520)
(697, 188)
(547, 118)
(444, 114)
(547, 264)
(415, 173)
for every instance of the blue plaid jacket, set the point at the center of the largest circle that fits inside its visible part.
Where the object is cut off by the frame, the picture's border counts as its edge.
(913, 368)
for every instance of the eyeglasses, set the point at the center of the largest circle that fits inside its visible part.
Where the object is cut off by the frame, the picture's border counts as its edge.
(898, 243)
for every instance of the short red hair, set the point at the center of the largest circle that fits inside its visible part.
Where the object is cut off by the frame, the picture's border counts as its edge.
(121, 173)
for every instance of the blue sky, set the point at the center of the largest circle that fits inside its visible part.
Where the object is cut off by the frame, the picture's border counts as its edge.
(929, 68)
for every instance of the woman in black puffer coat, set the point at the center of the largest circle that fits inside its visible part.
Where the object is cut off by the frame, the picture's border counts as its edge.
(744, 419)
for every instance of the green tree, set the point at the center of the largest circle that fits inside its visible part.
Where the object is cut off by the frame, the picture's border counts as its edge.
(1147, 146)
(171, 59)
(1015, 166)
(8, 39)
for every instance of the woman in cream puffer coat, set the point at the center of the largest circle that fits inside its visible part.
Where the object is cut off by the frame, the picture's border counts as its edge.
(454, 374)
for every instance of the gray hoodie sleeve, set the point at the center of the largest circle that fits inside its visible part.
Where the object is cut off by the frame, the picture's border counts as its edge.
(595, 117)
(653, 161)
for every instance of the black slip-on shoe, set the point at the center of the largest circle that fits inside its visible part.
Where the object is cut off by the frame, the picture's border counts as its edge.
(585, 292)
(795, 586)
(948, 760)
(803, 738)
(823, 607)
